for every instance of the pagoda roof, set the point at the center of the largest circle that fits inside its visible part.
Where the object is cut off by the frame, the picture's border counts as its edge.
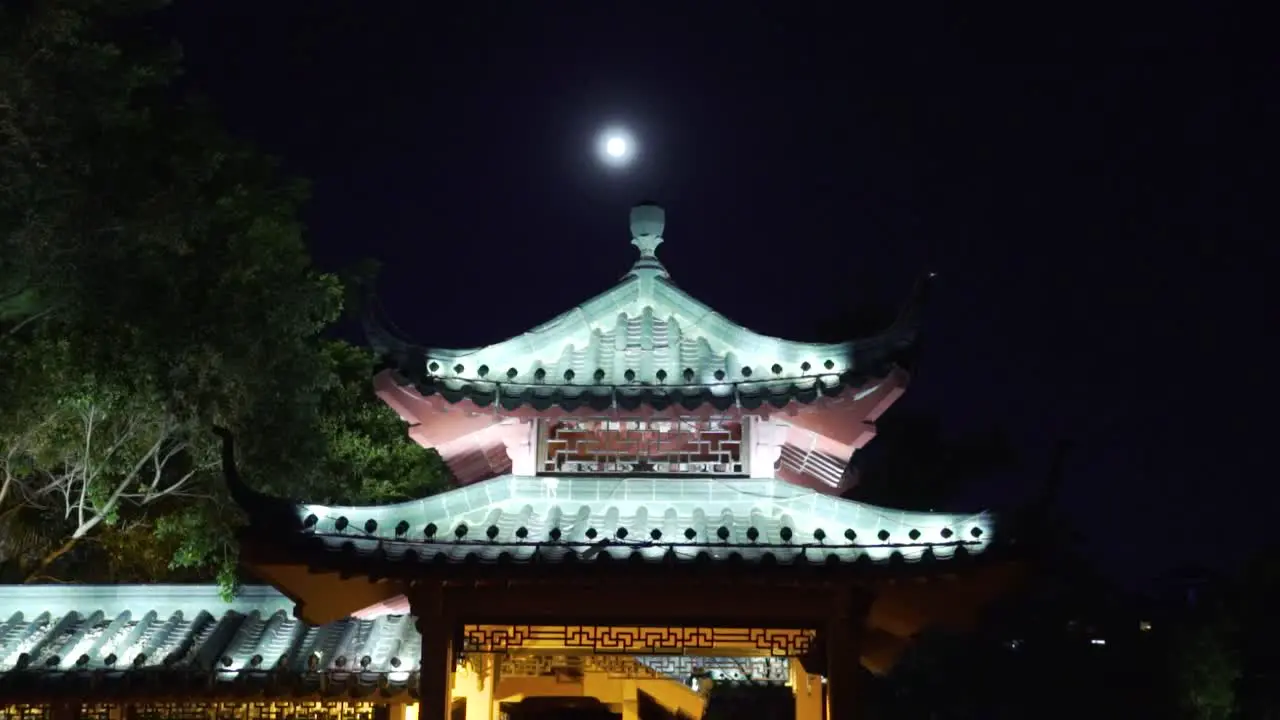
(184, 641)
(647, 342)
(548, 521)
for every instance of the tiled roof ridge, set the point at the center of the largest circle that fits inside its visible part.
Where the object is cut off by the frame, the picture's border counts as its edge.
(671, 545)
(220, 650)
(62, 597)
(721, 397)
(676, 352)
(523, 519)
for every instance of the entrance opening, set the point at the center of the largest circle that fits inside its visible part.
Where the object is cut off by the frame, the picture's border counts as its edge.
(665, 673)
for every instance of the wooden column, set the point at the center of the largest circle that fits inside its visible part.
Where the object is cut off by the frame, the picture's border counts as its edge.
(630, 700)
(808, 691)
(480, 702)
(436, 624)
(844, 632)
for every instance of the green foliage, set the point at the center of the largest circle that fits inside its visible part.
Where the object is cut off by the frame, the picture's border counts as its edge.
(1207, 666)
(154, 279)
(364, 458)
(1259, 635)
(369, 459)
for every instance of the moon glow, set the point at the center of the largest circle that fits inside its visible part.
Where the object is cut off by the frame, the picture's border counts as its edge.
(616, 147)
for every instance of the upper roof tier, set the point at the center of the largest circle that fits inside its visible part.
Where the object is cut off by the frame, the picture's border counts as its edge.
(647, 340)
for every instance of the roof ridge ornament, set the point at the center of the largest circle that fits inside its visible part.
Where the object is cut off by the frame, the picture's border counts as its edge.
(648, 219)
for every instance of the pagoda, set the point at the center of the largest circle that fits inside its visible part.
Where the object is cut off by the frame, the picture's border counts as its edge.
(648, 503)
(639, 476)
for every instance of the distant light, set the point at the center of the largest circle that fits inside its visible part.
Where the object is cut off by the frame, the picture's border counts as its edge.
(616, 147)
(1098, 641)
(1144, 625)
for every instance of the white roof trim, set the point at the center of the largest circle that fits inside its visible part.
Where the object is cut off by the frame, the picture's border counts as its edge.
(115, 599)
(643, 325)
(585, 509)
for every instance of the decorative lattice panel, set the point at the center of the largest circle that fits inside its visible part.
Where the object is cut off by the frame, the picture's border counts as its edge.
(644, 447)
(754, 670)
(601, 639)
(24, 712)
(97, 711)
(256, 711)
(565, 667)
(175, 711)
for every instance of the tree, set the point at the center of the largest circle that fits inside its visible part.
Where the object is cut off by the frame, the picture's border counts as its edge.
(366, 459)
(89, 450)
(913, 464)
(154, 280)
(1258, 635)
(1206, 666)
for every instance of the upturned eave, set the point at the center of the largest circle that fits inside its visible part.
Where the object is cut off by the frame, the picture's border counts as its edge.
(659, 347)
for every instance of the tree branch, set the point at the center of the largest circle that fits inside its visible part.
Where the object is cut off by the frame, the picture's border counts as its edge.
(112, 500)
(28, 320)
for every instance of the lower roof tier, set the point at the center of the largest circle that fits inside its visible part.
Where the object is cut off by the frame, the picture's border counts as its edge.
(550, 519)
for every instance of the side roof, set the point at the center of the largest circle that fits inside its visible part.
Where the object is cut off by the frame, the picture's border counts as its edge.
(185, 641)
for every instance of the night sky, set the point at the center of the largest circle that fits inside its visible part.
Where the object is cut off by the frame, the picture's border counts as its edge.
(1082, 186)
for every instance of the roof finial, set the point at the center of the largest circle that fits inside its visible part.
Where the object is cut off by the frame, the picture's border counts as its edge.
(647, 222)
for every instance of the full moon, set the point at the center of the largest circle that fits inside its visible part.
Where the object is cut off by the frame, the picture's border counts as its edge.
(616, 147)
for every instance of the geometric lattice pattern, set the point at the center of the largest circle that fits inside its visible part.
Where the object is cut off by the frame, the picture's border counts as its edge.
(752, 670)
(25, 712)
(608, 639)
(204, 711)
(642, 447)
(254, 711)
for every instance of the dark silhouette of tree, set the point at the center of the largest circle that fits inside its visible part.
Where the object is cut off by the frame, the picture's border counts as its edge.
(912, 463)
(1205, 666)
(1258, 625)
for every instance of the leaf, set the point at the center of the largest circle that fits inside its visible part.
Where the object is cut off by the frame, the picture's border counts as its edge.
(154, 279)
